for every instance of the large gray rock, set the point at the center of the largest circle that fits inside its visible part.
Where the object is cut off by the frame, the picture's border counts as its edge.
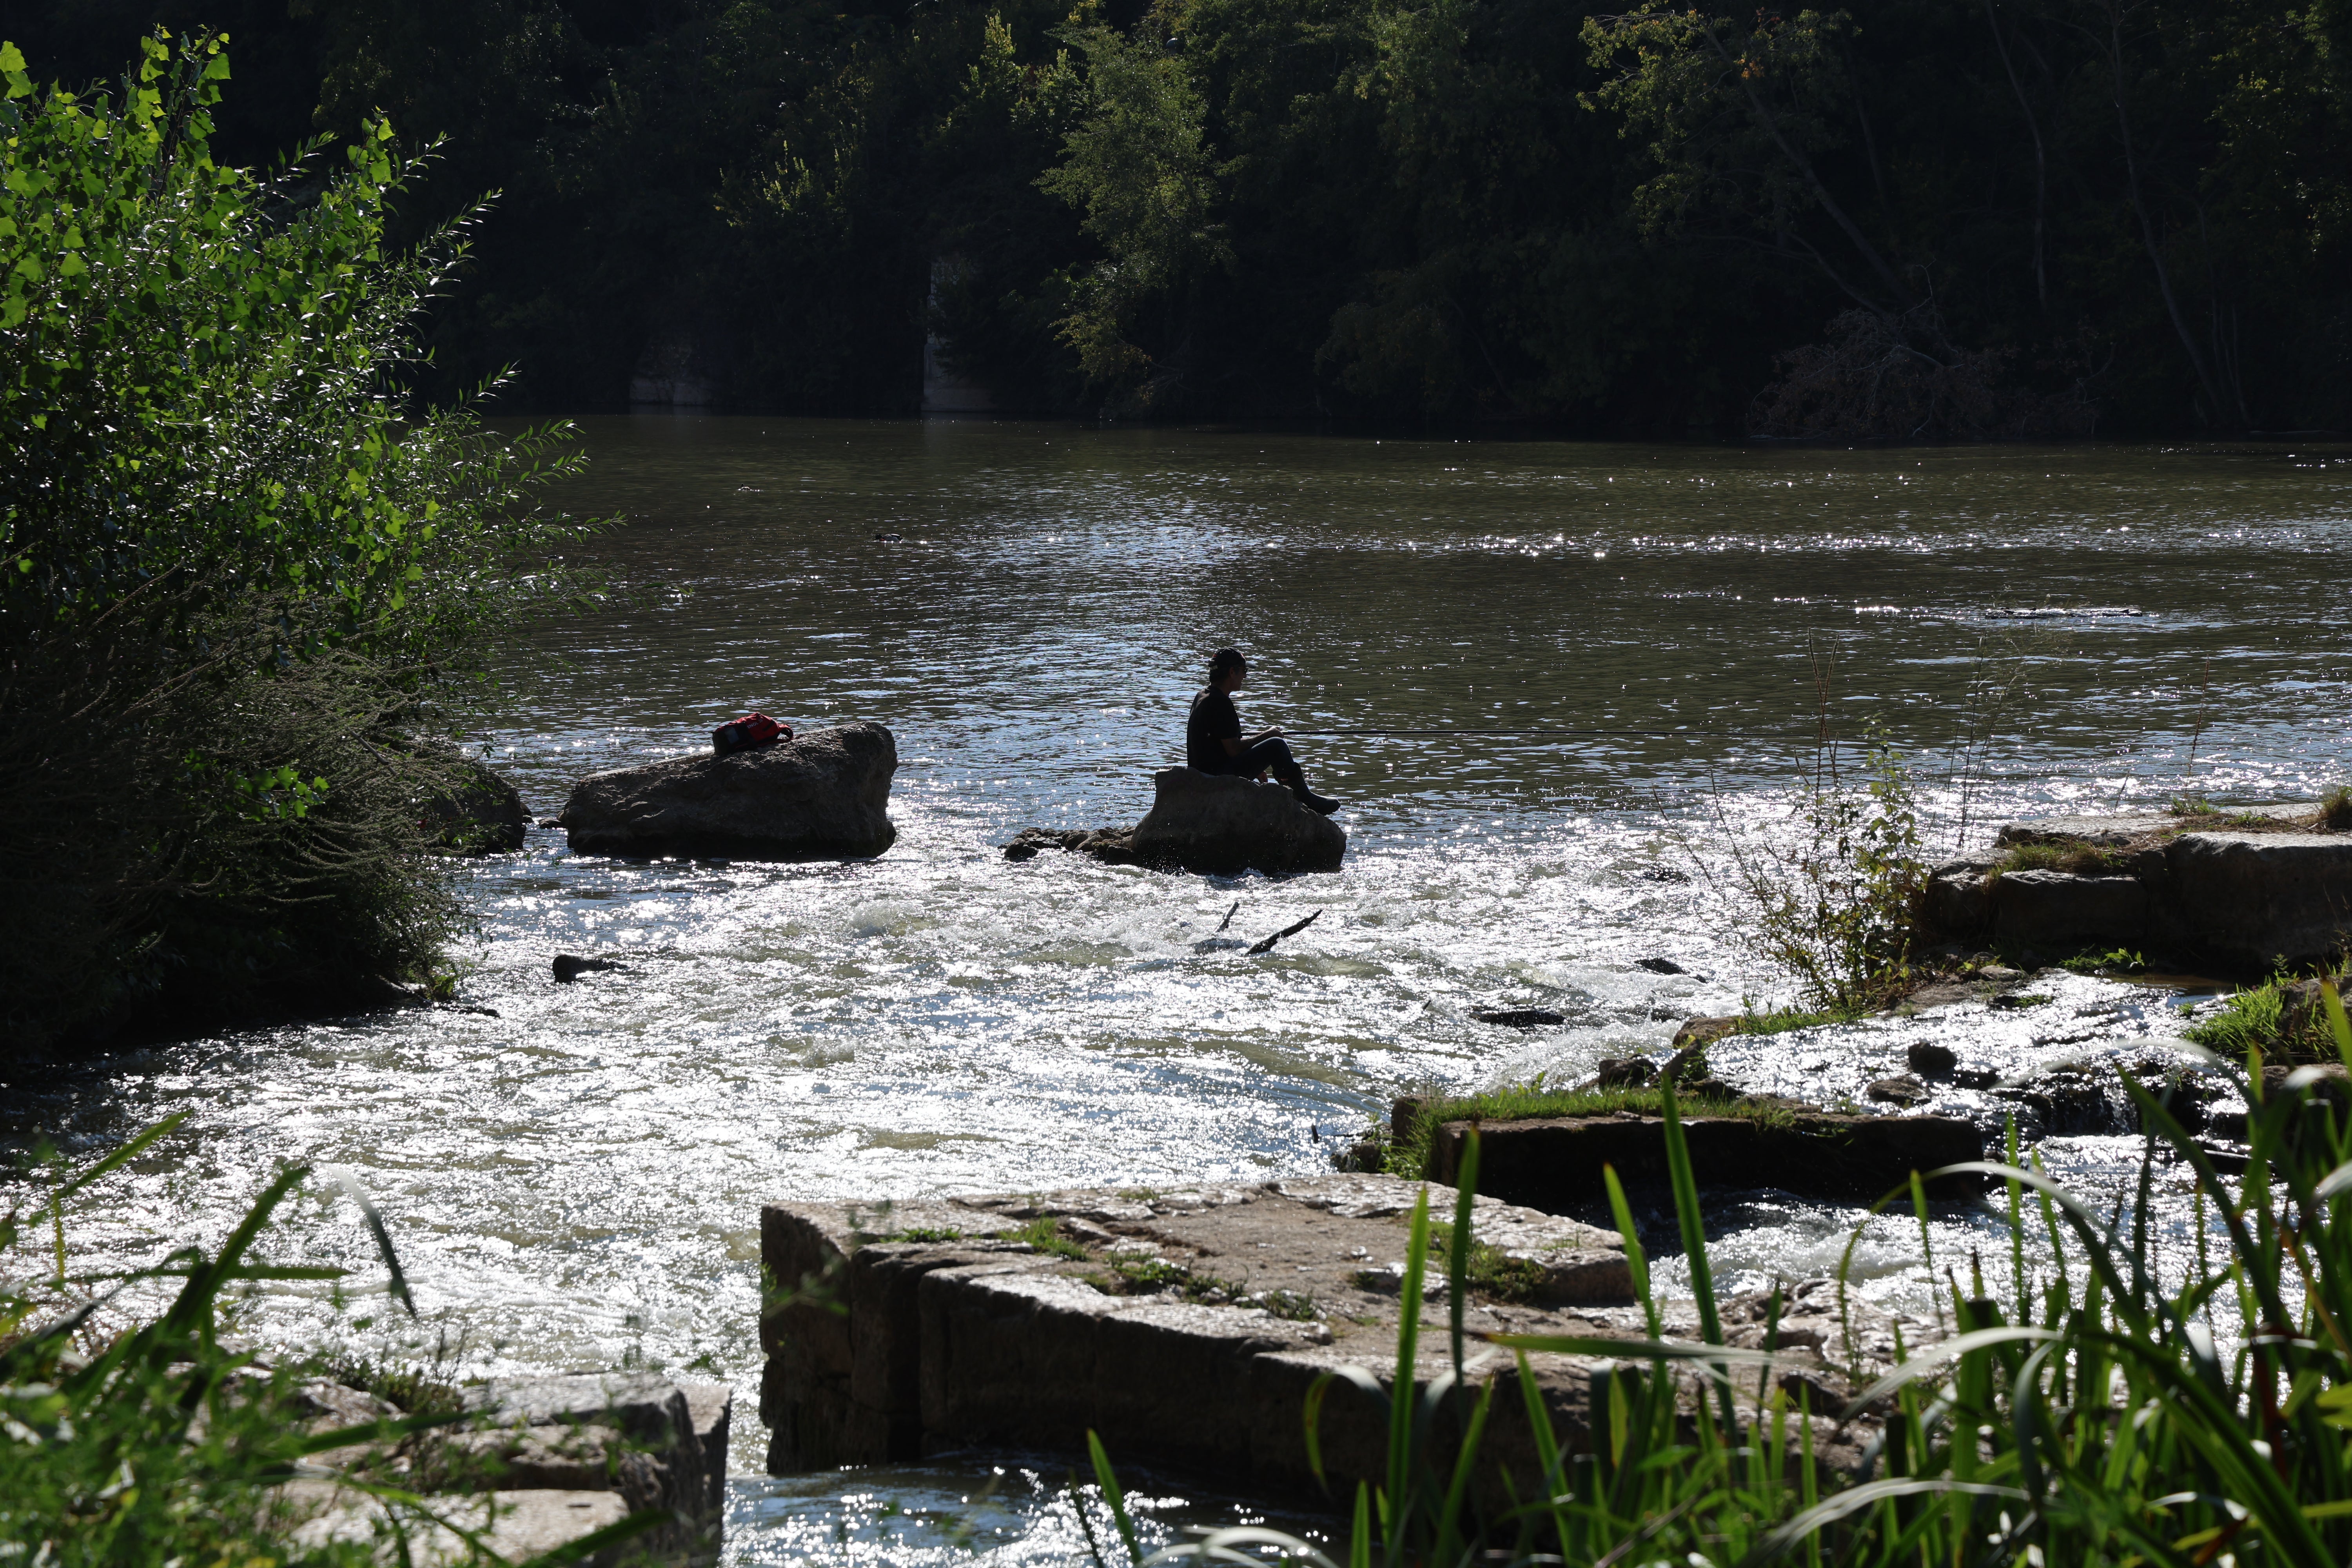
(2256, 899)
(2058, 912)
(1224, 824)
(824, 796)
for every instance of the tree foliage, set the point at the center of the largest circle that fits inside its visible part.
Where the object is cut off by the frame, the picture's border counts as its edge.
(237, 567)
(1611, 218)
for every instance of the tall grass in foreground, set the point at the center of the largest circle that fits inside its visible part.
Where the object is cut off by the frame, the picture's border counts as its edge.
(2094, 1415)
(161, 1444)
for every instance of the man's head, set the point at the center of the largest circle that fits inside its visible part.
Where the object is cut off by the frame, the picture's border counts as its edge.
(1227, 668)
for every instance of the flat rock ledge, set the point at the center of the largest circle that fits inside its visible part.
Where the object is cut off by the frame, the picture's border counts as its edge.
(2243, 899)
(1209, 823)
(1554, 1163)
(543, 1462)
(824, 796)
(1187, 1327)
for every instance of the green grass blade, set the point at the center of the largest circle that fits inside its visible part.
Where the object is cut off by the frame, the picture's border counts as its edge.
(1637, 1262)
(2017, 1277)
(1694, 1227)
(139, 1145)
(1853, 1501)
(2339, 1027)
(192, 1310)
(1108, 1481)
(1464, 1463)
(1686, 1210)
(1548, 1454)
(358, 1195)
(1458, 1262)
(1399, 1495)
(1919, 1363)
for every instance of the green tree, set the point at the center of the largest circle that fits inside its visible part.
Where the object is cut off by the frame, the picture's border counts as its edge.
(238, 568)
(1140, 167)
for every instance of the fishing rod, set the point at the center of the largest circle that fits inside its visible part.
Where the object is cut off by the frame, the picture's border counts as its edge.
(1586, 734)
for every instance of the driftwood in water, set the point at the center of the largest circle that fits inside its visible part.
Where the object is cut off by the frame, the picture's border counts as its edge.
(1267, 945)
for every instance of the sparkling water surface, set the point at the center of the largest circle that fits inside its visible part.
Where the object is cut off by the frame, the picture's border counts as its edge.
(574, 1177)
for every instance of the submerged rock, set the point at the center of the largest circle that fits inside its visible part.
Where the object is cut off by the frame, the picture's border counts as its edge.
(1209, 823)
(1903, 1091)
(1930, 1060)
(824, 796)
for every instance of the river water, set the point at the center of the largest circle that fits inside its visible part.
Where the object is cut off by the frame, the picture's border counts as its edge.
(575, 1181)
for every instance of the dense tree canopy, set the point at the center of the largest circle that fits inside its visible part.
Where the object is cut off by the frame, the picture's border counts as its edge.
(1969, 217)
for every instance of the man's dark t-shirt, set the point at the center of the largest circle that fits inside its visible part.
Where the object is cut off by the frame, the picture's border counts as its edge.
(1214, 720)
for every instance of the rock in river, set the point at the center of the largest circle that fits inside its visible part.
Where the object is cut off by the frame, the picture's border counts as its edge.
(1222, 825)
(481, 815)
(820, 797)
(1211, 823)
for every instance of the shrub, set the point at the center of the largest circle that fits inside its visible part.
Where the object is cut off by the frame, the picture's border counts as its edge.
(1832, 896)
(239, 574)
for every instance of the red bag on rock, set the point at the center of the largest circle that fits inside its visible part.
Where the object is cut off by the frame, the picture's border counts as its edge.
(748, 733)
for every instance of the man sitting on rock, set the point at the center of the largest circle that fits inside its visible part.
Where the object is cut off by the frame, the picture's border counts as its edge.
(1213, 736)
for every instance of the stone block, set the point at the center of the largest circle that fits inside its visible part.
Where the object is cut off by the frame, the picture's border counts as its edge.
(1555, 1162)
(2059, 913)
(2254, 899)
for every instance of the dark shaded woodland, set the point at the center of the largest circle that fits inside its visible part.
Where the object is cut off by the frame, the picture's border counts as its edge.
(1911, 218)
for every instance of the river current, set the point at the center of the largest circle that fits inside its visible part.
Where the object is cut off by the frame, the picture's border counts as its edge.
(573, 1174)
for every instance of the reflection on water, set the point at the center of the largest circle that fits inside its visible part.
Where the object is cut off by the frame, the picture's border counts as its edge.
(1012, 1512)
(575, 1181)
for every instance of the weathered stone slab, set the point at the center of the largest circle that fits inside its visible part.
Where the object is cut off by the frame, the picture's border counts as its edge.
(2060, 912)
(2245, 899)
(540, 1461)
(1185, 1327)
(2256, 899)
(517, 1525)
(1554, 1163)
(819, 796)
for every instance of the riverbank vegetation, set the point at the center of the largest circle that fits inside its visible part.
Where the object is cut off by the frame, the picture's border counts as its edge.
(2025, 218)
(2123, 1401)
(244, 576)
(139, 1435)
(155, 1443)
